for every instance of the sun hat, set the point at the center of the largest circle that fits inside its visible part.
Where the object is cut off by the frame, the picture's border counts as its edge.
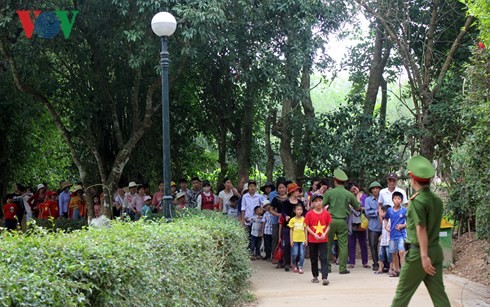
(147, 197)
(265, 203)
(179, 195)
(40, 186)
(132, 184)
(374, 184)
(78, 188)
(65, 184)
(294, 187)
(268, 184)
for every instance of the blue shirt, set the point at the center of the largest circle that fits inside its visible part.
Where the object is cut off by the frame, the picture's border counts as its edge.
(371, 211)
(397, 217)
(63, 201)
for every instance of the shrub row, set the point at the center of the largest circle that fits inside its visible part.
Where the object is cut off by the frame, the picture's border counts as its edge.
(196, 260)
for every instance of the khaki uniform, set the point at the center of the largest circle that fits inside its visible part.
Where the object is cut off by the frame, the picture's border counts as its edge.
(339, 200)
(425, 209)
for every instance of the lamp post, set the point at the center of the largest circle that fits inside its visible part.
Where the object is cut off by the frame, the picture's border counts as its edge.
(164, 24)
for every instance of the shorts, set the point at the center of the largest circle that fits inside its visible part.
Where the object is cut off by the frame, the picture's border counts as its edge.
(384, 254)
(397, 245)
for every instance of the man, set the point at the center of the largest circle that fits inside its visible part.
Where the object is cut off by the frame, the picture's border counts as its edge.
(193, 193)
(64, 199)
(250, 200)
(423, 261)
(374, 225)
(338, 201)
(386, 194)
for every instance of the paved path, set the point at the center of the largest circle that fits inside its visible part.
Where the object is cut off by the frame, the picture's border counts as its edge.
(360, 288)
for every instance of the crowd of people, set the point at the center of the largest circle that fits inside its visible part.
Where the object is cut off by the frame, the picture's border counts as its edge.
(323, 224)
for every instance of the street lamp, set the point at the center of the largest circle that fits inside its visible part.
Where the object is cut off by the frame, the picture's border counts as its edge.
(164, 24)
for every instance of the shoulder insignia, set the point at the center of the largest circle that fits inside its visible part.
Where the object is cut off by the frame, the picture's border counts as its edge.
(414, 195)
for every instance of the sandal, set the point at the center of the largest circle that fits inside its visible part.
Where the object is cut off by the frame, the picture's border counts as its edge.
(378, 272)
(393, 274)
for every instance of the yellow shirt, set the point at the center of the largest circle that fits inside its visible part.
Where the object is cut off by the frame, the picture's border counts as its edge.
(298, 227)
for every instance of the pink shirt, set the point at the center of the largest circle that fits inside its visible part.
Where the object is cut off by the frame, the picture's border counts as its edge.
(157, 197)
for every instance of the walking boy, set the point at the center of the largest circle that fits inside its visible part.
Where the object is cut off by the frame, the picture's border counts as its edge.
(318, 225)
(398, 218)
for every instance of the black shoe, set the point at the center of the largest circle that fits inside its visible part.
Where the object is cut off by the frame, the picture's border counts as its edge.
(325, 282)
(375, 268)
(345, 272)
(286, 268)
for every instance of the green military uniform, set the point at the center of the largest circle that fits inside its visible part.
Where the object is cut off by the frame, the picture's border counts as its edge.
(338, 199)
(425, 209)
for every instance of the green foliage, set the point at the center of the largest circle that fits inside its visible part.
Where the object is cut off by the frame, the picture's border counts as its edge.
(471, 161)
(198, 260)
(334, 145)
(481, 10)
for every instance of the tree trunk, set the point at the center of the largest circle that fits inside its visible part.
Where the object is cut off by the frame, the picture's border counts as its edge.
(384, 104)
(244, 142)
(222, 151)
(375, 74)
(269, 169)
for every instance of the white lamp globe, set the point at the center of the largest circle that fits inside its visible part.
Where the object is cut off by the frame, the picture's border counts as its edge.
(163, 24)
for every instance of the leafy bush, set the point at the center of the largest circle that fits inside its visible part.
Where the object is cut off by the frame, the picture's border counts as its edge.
(197, 260)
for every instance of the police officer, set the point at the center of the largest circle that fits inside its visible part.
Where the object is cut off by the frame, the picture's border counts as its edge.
(423, 261)
(337, 202)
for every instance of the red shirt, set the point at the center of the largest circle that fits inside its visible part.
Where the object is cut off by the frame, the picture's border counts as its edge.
(10, 210)
(318, 223)
(49, 209)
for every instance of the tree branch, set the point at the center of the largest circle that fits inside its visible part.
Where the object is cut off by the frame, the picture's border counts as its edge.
(21, 86)
(450, 55)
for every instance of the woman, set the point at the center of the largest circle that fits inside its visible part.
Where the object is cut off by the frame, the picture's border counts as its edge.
(118, 203)
(356, 234)
(277, 204)
(267, 189)
(294, 194)
(225, 195)
(313, 190)
(137, 203)
(37, 199)
(158, 196)
(77, 205)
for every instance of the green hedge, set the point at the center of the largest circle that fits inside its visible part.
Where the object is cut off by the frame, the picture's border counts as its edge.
(198, 260)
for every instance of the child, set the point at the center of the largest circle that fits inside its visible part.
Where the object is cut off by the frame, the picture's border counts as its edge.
(9, 213)
(147, 207)
(49, 209)
(298, 238)
(206, 199)
(397, 215)
(232, 207)
(384, 243)
(256, 233)
(267, 230)
(97, 207)
(317, 225)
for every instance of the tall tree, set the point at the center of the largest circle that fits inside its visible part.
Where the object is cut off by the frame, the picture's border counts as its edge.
(421, 31)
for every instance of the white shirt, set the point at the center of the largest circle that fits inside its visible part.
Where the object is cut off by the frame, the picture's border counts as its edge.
(386, 197)
(225, 197)
(249, 203)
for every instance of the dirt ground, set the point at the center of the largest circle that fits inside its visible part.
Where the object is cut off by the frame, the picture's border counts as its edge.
(275, 287)
(472, 259)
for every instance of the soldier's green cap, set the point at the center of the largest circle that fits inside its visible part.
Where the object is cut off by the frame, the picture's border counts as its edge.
(340, 175)
(374, 184)
(421, 169)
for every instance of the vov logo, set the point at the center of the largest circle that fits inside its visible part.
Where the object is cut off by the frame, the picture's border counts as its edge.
(47, 24)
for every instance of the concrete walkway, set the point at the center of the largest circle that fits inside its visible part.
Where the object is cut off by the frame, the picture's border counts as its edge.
(360, 288)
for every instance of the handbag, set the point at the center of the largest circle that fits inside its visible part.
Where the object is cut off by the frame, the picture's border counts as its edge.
(364, 223)
(278, 253)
